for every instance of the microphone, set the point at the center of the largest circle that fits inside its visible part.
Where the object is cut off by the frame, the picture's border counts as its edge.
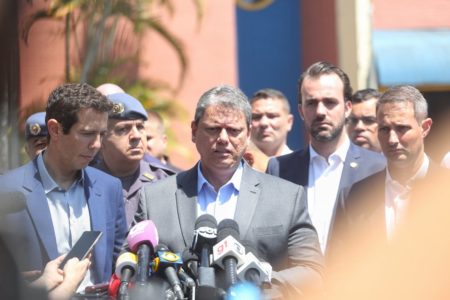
(125, 269)
(190, 262)
(168, 263)
(228, 252)
(184, 277)
(205, 235)
(11, 202)
(142, 239)
(254, 271)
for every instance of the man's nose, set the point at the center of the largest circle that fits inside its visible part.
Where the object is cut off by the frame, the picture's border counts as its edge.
(223, 136)
(321, 109)
(393, 137)
(135, 133)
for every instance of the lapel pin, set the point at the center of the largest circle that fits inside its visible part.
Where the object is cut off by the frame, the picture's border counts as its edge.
(353, 164)
(149, 176)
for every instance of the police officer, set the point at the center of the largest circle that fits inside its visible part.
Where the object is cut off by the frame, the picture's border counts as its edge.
(123, 149)
(35, 134)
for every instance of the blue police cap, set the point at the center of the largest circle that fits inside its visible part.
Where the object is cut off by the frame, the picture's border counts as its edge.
(35, 125)
(126, 107)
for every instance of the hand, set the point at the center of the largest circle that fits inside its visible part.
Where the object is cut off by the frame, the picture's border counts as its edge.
(74, 272)
(52, 276)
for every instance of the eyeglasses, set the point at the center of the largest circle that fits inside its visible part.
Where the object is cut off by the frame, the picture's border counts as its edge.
(366, 120)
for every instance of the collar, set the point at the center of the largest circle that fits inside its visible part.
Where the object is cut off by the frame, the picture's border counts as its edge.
(286, 150)
(235, 180)
(340, 152)
(48, 182)
(421, 173)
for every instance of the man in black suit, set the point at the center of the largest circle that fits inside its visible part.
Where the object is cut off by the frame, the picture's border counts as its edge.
(379, 205)
(331, 162)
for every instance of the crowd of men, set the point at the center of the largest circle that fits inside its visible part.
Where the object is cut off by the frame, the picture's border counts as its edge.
(98, 162)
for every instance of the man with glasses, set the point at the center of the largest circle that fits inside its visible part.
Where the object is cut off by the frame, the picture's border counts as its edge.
(362, 123)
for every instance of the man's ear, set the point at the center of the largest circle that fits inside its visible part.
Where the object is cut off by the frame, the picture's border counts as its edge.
(348, 108)
(54, 128)
(426, 126)
(193, 131)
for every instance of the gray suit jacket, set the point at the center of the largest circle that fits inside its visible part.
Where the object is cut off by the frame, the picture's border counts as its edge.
(271, 214)
(359, 163)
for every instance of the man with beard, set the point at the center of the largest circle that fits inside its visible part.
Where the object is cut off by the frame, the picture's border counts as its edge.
(331, 162)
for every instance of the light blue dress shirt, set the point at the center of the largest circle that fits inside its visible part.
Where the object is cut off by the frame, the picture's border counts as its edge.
(220, 204)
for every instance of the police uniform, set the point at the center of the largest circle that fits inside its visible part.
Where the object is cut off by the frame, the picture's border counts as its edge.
(126, 107)
(35, 126)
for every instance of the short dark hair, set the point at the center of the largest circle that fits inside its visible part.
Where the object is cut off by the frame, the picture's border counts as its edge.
(364, 95)
(66, 101)
(320, 68)
(271, 93)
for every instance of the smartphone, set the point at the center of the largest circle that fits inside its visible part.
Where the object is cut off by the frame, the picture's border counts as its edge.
(83, 246)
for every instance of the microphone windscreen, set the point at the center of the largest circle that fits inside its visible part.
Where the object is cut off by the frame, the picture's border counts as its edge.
(11, 202)
(143, 232)
(126, 260)
(206, 220)
(188, 255)
(226, 228)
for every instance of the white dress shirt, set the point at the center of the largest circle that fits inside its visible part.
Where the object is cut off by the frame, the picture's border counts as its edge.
(69, 212)
(286, 150)
(446, 160)
(323, 184)
(397, 196)
(221, 204)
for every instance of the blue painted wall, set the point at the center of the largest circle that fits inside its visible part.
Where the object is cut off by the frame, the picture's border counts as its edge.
(269, 53)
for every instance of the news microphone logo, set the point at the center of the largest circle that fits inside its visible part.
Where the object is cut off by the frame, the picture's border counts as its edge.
(166, 258)
(226, 248)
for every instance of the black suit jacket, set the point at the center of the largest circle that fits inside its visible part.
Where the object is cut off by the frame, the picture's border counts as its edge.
(359, 163)
(360, 212)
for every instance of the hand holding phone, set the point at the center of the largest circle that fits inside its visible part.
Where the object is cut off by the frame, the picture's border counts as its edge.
(82, 247)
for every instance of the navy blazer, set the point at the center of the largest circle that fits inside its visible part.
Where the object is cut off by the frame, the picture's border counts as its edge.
(31, 235)
(360, 212)
(359, 163)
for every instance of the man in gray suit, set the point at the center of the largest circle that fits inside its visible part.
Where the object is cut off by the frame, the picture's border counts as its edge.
(331, 162)
(271, 212)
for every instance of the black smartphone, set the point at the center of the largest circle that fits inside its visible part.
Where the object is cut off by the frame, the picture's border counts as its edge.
(83, 246)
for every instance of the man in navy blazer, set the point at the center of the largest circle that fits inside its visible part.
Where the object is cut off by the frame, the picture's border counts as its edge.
(65, 197)
(381, 203)
(331, 162)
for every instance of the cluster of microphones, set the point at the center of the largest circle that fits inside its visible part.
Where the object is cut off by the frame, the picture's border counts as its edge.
(151, 271)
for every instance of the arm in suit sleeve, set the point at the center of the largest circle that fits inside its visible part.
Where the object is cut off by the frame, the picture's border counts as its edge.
(306, 262)
(273, 167)
(120, 224)
(141, 213)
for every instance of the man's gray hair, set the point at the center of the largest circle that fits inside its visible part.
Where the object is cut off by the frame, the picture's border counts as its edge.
(406, 93)
(227, 96)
